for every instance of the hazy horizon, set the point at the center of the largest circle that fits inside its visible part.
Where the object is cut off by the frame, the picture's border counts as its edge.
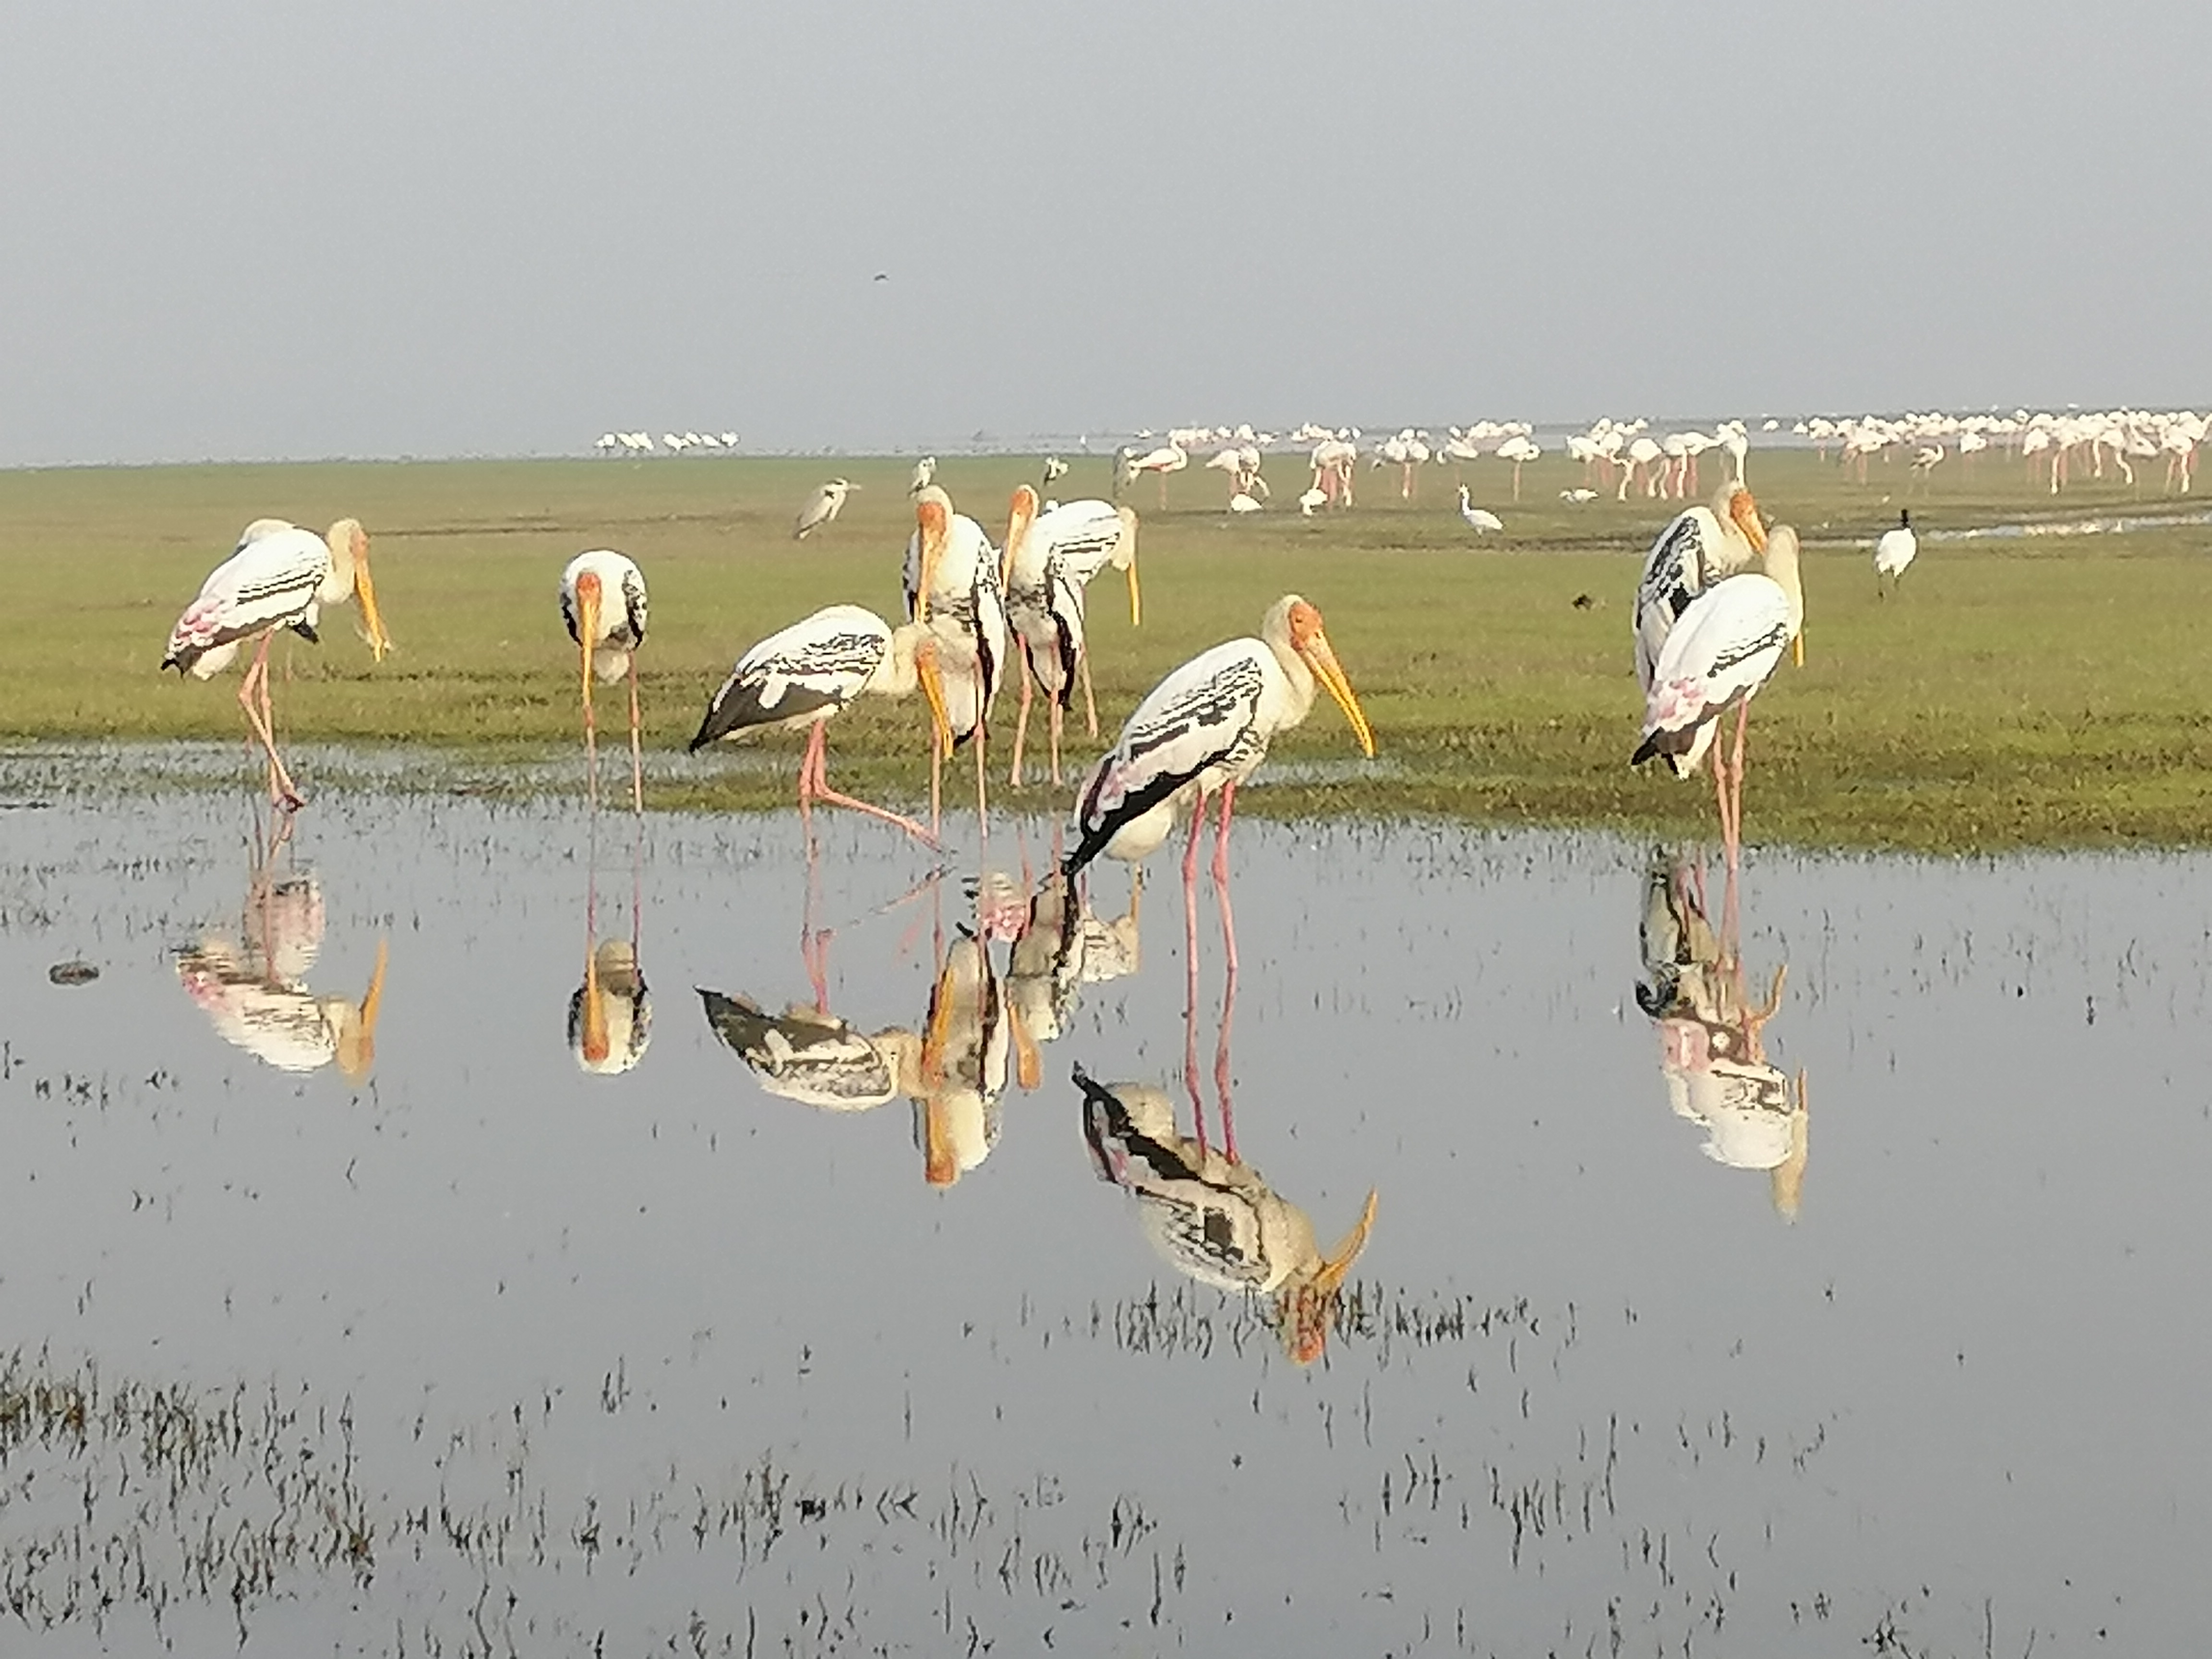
(250, 232)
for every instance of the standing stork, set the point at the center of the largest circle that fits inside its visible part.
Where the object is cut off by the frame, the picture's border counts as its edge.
(1201, 732)
(1045, 613)
(1722, 648)
(1050, 560)
(1896, 549)
(603, 602)
(280, 576)
(822, 507)
(1699, 546)
(806, 673)
(951, 580)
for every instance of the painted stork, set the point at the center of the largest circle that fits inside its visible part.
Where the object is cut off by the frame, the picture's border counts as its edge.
(1047, 565)
(822, 507)
(280, 576)
(808, 1054)
(951, 581)
(603, 602)
(1722, 648)
(1699, 547)
(1215, 1219)
(1896, 549)
(1201, 732)
(609, 1015)
(804, 675)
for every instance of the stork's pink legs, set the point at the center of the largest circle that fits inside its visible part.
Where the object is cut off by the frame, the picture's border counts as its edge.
(254, 698)
(1021, 717)
(814, 785)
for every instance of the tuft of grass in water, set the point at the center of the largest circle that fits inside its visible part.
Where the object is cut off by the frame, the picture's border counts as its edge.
(2042, 690)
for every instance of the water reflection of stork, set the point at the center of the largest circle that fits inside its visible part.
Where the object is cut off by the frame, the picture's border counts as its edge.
(251, 980)
(610, 1014)
(1210, 1215)
(1712, 1033)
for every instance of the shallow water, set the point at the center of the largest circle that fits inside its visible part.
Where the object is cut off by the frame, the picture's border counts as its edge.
(488, 1352)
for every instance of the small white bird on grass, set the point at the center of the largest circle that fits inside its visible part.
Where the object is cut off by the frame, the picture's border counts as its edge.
(823, 507)
(1896, 549)
(1478, 518)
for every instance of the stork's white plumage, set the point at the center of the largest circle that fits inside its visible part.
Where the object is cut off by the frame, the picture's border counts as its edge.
(822, 507)
(1479, 519)
(602, 603)
(1896, 549)
(802, 675)
(1699, 547)
(279, 576)
(1050, 560)
(1721, 650)
(1206, 728)
(952, 579)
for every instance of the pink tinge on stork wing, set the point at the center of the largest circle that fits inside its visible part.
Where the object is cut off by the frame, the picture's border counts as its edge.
(201, 622)
(1676, 703)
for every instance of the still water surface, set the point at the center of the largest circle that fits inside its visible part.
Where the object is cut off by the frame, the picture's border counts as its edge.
(355, 1307)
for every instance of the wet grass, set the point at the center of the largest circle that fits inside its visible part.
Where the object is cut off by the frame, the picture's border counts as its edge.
(2043, 690)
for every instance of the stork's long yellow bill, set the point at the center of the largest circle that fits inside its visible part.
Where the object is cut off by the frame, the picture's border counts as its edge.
(587, 628)
(372, 620)
(1322, 660)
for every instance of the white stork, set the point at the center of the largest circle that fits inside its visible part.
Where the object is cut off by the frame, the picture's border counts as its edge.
(1699, 547)
(1479, 519)
(822, 507)
(280, 576)
(1722, 648)
(804, 675)
(1048, 564)
(1896, 549)
(603, 602)
(951, 580)
(1202, 731)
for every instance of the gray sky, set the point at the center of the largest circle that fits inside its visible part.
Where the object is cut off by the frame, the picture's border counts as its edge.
(264, 228)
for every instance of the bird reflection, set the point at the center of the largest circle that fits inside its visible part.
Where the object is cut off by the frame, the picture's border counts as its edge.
(251, 980)
(1213, 1217)
(1711, 1034)
(1062, 947)
(610, 1014)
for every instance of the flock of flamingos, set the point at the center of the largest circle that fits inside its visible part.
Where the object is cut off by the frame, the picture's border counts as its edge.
(1718, 604)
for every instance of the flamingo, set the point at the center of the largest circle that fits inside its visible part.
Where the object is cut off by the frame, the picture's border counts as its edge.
(607, 638)
(1896, 549)
(823, 507)
(804, 675)
(1699, 547)
(280, 576)
(1722, 648)
(1520, 450)
(1171, 457)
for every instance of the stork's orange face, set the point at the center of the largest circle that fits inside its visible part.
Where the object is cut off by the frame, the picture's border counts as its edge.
(1745, 512)
(1020, 515)
(1312, 645)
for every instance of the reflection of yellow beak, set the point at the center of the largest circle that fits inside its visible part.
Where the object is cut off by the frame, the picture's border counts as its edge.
(1336, 1265)
(1313, 1304)
(1029, 1064)
(595, 1008)
(940, 1166)
(357, 1047)
(1786, 1180)
(1322, 660)
(932, 690)
(365, 591)
(940, 1032)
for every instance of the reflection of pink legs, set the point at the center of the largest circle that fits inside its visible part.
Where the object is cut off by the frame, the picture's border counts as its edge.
(1190, 968)
(1021, 717)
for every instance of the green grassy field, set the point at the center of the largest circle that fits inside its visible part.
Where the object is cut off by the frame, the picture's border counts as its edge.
(2041, 691)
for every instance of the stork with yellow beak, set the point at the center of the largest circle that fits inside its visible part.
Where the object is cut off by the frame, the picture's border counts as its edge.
(951, 580)
(603, 602)
(1699, 546)
(279, 576)
(1048, 564)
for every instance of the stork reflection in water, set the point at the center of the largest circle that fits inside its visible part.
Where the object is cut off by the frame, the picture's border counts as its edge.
(251, 980)
(610, 1014)
(1213, 1216)
(1711, 1034)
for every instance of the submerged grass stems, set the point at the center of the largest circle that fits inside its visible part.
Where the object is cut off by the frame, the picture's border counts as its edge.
(2037, 690)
